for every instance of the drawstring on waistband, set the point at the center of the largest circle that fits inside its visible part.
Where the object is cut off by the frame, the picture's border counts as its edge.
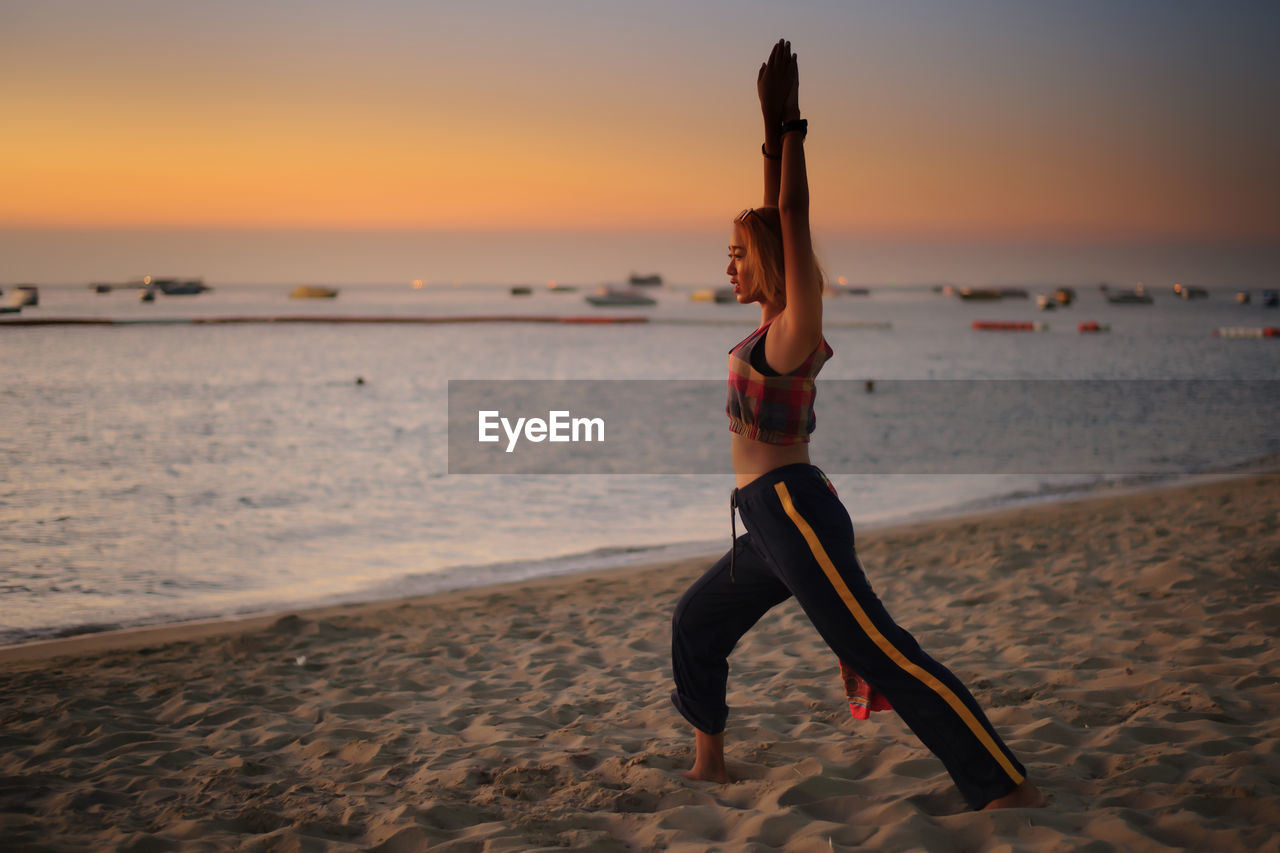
(733, 525)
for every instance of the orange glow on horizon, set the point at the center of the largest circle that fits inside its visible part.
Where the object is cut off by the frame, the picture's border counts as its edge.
(278, 152)
(305, 174)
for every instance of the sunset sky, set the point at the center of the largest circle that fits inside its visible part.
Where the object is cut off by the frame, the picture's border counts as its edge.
(1149, 121)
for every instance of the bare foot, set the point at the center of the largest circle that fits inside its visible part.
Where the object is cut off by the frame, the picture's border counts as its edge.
(708, 766)
(1025, 796)
(700, 775)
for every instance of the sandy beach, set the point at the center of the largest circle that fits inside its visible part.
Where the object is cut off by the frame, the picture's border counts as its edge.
(1126, 647)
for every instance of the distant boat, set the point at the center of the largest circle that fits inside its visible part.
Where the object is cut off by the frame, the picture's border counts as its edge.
(308, 291)
(97, 287)
(1137, 296)
(1243, 297)
(978, 294)
(1271, 298)
(178, 287)
(522, 290)
(1129, 297)
(1014, 292)
(24, 295)
(561, 288)
(1046, 302)
(610, 296)
(714, 294)
(1065, 296)
(1190, 292)
(846, 290)
(651, 280)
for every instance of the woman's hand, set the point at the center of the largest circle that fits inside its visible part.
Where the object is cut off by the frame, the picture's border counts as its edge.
(778, 85)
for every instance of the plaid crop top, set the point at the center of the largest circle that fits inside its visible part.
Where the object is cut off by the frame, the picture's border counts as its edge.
(768, 407)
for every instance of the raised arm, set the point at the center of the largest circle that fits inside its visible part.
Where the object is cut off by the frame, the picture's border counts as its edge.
(797, 331)
(772, 102)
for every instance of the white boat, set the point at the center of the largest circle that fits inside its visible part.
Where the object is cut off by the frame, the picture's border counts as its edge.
(24, 295)
(979, 294)
(714, 294)
(308, 291)
(607, 297)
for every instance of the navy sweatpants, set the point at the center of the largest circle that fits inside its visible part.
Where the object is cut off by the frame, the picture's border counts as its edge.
(799, 542)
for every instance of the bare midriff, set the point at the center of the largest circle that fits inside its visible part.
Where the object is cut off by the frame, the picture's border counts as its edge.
(753, 458)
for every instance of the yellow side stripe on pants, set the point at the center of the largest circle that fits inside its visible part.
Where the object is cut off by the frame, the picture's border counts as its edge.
(927, 678)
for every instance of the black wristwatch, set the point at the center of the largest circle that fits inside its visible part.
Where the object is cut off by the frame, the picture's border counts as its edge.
(796, 124)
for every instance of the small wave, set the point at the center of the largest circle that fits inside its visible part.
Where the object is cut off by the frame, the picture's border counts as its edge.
(488, 574)
(409, 586)
(622, 556)
(1119, 484)
(19, 636)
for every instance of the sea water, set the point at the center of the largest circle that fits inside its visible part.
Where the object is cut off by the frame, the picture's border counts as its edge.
(163, 471)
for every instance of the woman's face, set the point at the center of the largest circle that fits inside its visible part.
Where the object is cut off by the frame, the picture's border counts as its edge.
(739, 270)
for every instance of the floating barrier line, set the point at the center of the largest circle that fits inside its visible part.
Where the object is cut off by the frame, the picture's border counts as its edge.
(584, 319)
(1006, 326)
(1247, 332)
(226, 321)
(826, 324)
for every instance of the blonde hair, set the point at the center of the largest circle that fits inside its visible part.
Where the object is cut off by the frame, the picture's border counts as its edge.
(762, 230)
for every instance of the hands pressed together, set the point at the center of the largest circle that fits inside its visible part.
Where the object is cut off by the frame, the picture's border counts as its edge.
(778, 85)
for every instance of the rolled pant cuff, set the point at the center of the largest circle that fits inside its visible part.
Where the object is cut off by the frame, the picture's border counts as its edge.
(701, 722)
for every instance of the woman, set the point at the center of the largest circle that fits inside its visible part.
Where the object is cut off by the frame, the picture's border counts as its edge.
(799, 538)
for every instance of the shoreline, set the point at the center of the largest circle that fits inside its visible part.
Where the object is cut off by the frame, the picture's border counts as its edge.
(91, 642)
(456, 577)
(1123, 646)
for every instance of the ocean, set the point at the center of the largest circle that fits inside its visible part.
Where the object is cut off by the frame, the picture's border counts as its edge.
(158, 470)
